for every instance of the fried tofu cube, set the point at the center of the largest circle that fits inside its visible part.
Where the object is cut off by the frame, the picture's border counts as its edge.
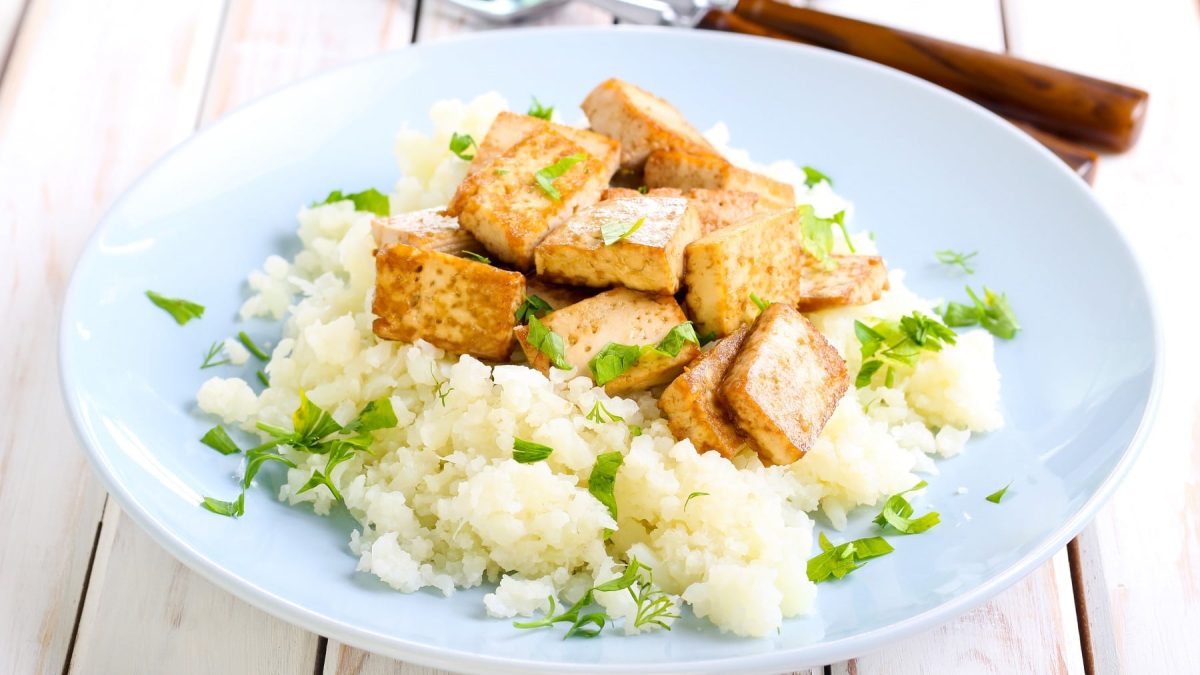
(692, 405)
(460, 305)
(509, 212)
(430, 229)
(698, 171)
(510, 128)
(784, 384)
(622, 316)
(853, 280)
(716, 208)
(650, 258)
(761, 256)
(641, 121)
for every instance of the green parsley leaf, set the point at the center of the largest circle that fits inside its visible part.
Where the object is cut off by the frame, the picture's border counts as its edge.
(897, 511)
(996, 496)
(181, 310)
(653, 606)
(460, 144)
(894, 344)
(476, 257)
(759, 302)
(626, 580)
(231, 509)
(439, 392)
(673, 343)
(545, 177)
(604, 478)
(952, 258)
(839, 219)
(958, 315)
(643, 189)
(611, 233)
(993, 312)
(214, 350)
(532, 306)
(217, 439)
(527, 452)
(548, 342)
(635, 430)
(708, 337)
(262, 377)
(612, 361)
(813, 176)
(838, 561)
(370, 200)
(253, 348)
(378, 414)
(536, 109)
(867, 372)
(598, 412)
(817, 234)
(256, 457)
(692, 496)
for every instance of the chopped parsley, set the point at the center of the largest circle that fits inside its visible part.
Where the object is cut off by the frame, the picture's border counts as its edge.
(254, 349)
(761, 304)
(262, 377)
(693, 496)
(501, 172)
(476, 257)
(838, 561)
(548, 342)
(612, 361)
(890, 344)
(643, 189)
(839, 219)
(545, 177)
(588, 619)
(536, 109)
(813, 176)
(602, 481)
(611, 233)
(439, 383)
(992, 312)
(635, 430)
(218, 439)
(371, 200)
(708, 337)
(232, 509)
(532, 306)
(211, 360)
(956, 258)
(599, 412)
(527, 452)
(678, 336)
(181, 310)
(897, 514)
(460, 144)
(996, 496)
(818, 233)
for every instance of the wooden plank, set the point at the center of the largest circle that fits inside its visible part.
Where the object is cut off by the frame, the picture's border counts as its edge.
(180, 623)
(1139, 562)
(440, 18)
(10, 17)
(264, 44)
(75, 130)
(342, 659)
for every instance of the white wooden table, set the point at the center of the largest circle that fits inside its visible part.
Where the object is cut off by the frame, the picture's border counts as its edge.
(92, 91)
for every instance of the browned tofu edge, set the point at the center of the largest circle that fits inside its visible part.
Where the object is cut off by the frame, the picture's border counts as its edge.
(855, 280)
(692, 406)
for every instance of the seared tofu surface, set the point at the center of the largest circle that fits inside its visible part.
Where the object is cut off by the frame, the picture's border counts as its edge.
(693, 407)
(510, 128)
(761, 256)
(715, 208)
(649, 259)
(784, 384)
(460, 305)
(701, 171)
(641, 121)
(622, 316)
(509, 213)
(850, 280)
(430, 229)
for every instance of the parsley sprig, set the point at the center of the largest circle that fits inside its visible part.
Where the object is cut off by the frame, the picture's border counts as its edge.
(546, 176)
(615, 359)
(181, 310)
(548, 342)
(817, 233)
(210, 358)
(603, 480)
(612, 233)
(587, 619)
(536, 109)
(370, 200)
(952, 258)
(533, 305)
(838, 561)
(889, 345)
(993, 312)
(460, 144)
(527, 452)
(599, 412)
(813, 176)
(897, 514)
(996, 496)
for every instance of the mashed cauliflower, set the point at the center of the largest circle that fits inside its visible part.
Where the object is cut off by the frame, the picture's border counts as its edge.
(442, 504)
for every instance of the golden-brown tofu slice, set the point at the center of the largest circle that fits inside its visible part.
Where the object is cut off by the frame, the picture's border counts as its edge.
(641, 121)
(688, 171)
(851, 280)
(510, 128)
(761, 256)
(460, 305)
(784, 384)
(430, 229)
(624, 317)
(509, 212)
(715, 208)
(693, 407)
(650, 258)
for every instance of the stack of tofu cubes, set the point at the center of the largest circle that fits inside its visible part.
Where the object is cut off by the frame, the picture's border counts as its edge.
(709, 233)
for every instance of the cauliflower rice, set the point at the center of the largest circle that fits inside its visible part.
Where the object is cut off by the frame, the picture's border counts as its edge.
(441, 503)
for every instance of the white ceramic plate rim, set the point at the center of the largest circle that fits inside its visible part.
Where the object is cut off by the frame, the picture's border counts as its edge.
(820, 653)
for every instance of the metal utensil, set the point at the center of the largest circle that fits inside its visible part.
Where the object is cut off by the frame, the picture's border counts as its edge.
(684, 13)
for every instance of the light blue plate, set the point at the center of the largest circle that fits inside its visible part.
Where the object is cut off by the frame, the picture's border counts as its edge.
(926, 169)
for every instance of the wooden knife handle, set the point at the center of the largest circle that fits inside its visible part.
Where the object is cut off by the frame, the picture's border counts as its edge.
(1081, 160)
(1070, 105)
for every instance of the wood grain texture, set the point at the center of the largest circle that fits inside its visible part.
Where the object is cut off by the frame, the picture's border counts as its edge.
(10, 17)
(343, 659)
(61, 164)
(1141, 556)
